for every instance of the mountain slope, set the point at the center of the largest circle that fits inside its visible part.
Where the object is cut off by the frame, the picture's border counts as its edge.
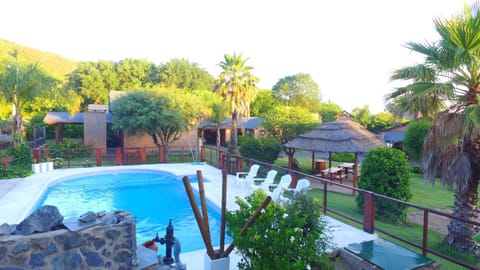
(56, 65)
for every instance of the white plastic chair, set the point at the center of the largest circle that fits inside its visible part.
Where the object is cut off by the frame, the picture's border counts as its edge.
(264, 182)
(283, 185)
(302, 186)
(247, 177)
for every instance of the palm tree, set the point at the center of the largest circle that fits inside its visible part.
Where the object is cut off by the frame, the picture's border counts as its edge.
(19, 85)
(452, 147)
(236, 85)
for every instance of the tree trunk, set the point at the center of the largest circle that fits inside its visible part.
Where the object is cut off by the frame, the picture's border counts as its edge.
(17, 129)
(460, 233)
(233, 141)
(465, 205)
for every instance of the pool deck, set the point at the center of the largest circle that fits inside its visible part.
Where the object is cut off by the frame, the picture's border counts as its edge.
(19, 196)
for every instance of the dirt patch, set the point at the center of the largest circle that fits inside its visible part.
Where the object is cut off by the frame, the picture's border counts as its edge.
(435, 222)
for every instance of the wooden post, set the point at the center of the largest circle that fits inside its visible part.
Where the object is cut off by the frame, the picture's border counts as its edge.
(118, 156)
(369, 212)
(98, 152)
(202, 153)
(143, 154)
(355, 173)
(198, 217)
(161, 153)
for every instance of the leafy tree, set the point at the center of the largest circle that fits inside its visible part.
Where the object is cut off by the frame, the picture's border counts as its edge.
(362, 115)
(329, 111)
(380, 121)
(452, 146)
(179, 73)
(236, 85)
(414, 137)
(150, 112)
(88, 82)
(135, 74)
(264, 102)
(385, 171)
(286, 123)
(298, 90)
(20, 84)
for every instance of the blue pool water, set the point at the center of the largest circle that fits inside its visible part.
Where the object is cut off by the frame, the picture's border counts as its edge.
(153, 197)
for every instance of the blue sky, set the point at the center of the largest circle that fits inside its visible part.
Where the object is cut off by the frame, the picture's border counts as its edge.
(349, 47)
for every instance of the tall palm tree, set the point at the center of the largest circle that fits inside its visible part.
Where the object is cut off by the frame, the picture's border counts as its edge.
(452, 147)
(20, 84)
(236, 85)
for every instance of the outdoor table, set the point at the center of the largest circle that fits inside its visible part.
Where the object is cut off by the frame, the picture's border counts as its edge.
(333, 173)
(347, 166)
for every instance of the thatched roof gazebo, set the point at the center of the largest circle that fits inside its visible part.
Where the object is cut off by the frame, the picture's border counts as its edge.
(340, 136)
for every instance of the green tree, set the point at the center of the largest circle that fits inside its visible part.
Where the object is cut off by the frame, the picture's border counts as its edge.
(264, 102)
(385, 171)
(236, 84)
(329, 111)
(380, 121)
(286, 123)
(414, 137)
(88, 82)
(179, 73)
(18, 85)
(135, 74)
(298, 90)
(362, 115)
(150, 112)
(452, 146)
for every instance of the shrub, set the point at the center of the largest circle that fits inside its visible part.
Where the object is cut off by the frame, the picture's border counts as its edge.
(385, 171)
(414, 138)
(262, 149)
(343, 157)
(290, 237)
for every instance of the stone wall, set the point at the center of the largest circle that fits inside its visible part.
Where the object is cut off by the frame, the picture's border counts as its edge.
(108, 242)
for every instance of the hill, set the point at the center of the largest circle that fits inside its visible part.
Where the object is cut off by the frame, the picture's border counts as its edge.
(56, 65)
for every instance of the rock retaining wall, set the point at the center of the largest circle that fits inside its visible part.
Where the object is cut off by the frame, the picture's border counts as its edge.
(103, 245)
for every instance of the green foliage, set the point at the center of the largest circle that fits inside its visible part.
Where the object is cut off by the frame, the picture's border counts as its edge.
(380, 121)
(181, 74)
(264, 102)
(416, 169)
(290, 237)
(385, 171)
(298, 90)
(343, 157)
(21, 165)
(262, 149)
(163, 116)
(414, 137)
(70, 149)
(286, 123)
(329, 111)
(362, 115)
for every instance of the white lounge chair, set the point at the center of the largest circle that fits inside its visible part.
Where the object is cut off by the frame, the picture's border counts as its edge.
(283, 185)
(302, 186)
(264, 182)
(247, 177)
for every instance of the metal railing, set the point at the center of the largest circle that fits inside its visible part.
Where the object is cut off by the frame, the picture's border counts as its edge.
(377, 213)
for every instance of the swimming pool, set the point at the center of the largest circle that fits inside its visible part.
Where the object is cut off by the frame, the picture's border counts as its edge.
(153, 197)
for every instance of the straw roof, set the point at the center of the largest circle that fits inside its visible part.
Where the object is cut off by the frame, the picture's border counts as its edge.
(341, 136)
